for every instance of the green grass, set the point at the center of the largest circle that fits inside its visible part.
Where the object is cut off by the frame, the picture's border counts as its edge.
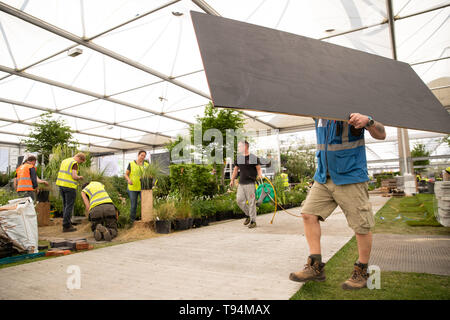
(394, 285)
(417, 217)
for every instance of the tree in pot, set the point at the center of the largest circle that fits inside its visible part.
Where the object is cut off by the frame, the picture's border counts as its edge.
(164, 216)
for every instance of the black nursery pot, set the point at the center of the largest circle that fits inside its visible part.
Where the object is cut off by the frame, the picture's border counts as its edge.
(205, 221)
(181, 224)
(197, 222)
(163, 226)
(146, 183)
(219, 216)
(43, 196)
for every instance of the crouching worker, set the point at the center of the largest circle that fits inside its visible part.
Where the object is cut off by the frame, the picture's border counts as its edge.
(101, 211)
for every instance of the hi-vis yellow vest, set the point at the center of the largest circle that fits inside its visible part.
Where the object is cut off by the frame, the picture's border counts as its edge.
(285, 179)
(135, 175)
(65, 174)
(97, 194)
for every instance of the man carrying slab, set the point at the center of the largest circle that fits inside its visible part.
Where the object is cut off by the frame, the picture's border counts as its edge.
(341, 179)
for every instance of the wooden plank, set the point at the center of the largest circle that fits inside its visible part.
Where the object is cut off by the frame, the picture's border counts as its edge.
(253, 67)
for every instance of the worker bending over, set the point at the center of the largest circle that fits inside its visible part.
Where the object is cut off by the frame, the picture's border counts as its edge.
(100, 210)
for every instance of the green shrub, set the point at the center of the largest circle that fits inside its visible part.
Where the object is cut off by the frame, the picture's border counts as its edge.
(203, 206)
(120, 185)
(303, 185)
(295, 198)
(266, 208)
(192, 180)
(6, 195)
(183, 210)
(162, 187)
(166, 211)
(4, 179)
(280, 189)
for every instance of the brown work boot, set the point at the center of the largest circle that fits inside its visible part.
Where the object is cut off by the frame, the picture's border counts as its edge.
(313, 271)
(247, 221)
(358, 280)
(97, 234)
(104, 231)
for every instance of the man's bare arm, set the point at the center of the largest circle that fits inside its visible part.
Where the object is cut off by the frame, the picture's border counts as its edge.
(376, 130)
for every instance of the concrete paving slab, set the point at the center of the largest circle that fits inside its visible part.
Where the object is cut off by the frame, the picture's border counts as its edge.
(222, 261)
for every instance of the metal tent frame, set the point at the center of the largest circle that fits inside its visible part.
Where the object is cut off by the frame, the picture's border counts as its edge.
(129, 143)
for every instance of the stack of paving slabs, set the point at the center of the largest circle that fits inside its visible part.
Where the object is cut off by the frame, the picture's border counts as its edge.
(398, 193)
(388, 185)
(442, 193)
(66, 246)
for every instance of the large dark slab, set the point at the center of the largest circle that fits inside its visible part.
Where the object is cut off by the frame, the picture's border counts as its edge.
(253, 67)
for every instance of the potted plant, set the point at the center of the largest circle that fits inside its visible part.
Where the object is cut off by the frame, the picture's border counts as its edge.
(197, 219)
(164, 216)
(183, 220)
(43, 193)
(150, 174)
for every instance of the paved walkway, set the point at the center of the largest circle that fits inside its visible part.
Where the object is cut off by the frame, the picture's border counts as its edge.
(221, 261)
(411, 253)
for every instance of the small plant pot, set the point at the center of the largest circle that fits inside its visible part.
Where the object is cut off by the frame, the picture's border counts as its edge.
(146, 183)
(238, 215)
(197, 222)
(205, 221)
(163, 226)
(181, 224)
(43, 196)
(224, 215)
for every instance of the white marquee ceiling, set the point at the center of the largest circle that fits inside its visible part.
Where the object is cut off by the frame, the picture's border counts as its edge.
(139, 80)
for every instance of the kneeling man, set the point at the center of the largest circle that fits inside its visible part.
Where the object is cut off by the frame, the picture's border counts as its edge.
(102, 212)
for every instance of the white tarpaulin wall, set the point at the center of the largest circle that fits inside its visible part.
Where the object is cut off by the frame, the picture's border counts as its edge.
(139, 80)
(4, 159)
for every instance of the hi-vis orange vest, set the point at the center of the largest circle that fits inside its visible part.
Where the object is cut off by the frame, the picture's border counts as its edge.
(24, 182)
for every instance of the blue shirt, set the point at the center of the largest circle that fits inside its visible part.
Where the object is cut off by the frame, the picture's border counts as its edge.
(341, 153)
